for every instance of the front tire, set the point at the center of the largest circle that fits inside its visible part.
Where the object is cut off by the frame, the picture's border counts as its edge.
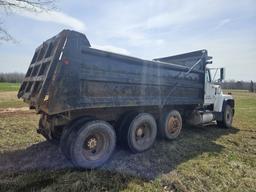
(227, 117)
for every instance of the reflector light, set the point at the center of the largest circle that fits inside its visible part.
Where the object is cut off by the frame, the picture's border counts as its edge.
(65, 61)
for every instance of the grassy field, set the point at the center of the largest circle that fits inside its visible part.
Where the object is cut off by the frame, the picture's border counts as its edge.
(8, 95)
(201, 159)
(8, 99)
(9, 86)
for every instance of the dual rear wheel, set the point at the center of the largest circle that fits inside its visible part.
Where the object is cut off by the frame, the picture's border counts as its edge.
(138, 132)
(89, 143)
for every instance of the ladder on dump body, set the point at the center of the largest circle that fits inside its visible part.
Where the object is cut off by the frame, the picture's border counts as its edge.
(36, 82)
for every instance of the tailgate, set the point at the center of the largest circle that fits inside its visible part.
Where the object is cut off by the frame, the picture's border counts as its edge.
(34, 87)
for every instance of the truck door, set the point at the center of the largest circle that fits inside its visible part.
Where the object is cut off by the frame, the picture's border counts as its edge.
(210, 91)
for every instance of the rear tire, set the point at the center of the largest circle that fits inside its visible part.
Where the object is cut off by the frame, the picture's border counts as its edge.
(67, 136)
(139, 132)
(227, 117)
(92, 144)
(122, 126)
(171, 125)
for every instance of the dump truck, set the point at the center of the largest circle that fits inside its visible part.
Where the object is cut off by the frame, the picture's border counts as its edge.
(89, 100)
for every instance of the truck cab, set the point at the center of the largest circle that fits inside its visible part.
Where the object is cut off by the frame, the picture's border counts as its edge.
(217, 106)
(221, 105)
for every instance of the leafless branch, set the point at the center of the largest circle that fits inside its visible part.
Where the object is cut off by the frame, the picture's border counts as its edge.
(29, 5)
(10, 6)
(6, 37)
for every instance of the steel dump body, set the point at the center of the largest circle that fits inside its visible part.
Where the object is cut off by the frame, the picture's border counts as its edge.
(73, 76)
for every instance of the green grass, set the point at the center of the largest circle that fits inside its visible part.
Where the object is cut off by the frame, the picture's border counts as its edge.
(18, 130)
(70, 180)
(8, 96)
(9, 86)
(202, 159)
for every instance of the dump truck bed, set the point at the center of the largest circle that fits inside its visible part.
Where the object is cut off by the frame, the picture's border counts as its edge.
(66, 73)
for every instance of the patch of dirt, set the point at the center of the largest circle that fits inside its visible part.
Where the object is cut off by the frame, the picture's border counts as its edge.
(7, 111)
(45, 155)
(162, 158)
(12, 110)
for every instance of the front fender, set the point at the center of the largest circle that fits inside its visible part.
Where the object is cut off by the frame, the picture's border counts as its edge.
(222, 100)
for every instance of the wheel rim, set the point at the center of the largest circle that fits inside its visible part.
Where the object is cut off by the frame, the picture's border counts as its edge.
(142, 133)
(94, 146)
(173, 125)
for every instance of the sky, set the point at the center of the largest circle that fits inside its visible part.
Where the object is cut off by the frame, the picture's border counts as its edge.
(143, 28)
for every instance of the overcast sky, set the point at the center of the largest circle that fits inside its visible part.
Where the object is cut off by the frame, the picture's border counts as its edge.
(143, 28)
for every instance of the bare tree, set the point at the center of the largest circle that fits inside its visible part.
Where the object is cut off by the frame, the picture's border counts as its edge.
(232, 84)
(9, 6)
(12, 77)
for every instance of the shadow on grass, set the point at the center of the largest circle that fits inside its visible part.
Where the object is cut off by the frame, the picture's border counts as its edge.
(164, 157)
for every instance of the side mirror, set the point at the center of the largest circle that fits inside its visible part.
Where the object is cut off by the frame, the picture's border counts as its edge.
(222, 74)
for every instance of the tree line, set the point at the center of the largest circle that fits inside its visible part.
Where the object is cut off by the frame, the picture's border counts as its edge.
(230, 84)
(12, 77)
(242, 85)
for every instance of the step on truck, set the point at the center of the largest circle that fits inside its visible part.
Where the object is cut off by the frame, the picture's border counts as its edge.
(90, 100)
